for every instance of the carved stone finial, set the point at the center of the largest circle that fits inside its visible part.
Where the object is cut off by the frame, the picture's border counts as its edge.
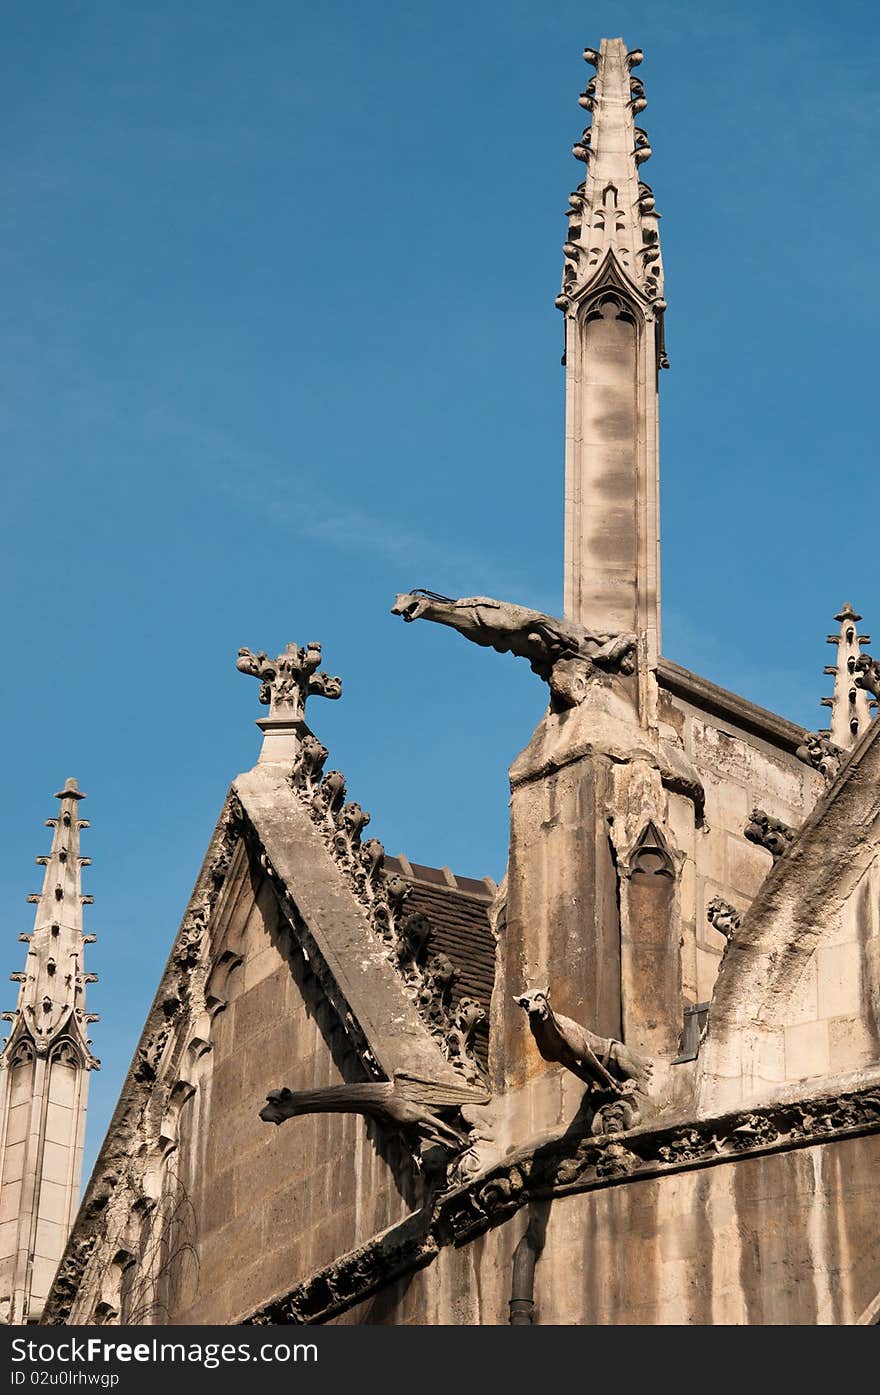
(609, 225)
(613, 1073)
(288, 681)
(772, 834)
(568, 656)
(286, 684)
(71, 790)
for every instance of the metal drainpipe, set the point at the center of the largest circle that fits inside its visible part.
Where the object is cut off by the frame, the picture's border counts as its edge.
(522, 1291)
(525, 1257)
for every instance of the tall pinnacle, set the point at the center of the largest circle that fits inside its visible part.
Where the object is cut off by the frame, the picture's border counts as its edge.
(51, 998)
(611, 214)
(44, 1075)
(850, 705)
(612, 298)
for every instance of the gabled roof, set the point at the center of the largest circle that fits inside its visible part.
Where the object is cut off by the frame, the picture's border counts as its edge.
(459, 911)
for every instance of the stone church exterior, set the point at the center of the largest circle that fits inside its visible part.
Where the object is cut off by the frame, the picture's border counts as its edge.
(638, 1082)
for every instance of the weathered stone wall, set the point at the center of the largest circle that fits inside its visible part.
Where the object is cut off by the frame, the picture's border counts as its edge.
(272, 1203)
(789, 1238)
(833, 1019)
(799, 994)
(739, 770)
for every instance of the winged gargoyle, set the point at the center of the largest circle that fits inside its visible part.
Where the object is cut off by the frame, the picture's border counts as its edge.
(561, 652)
(404, 1102)
(612, 1071)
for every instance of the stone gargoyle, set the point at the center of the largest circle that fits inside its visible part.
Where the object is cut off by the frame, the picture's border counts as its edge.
(613, 1073)
(566, 655)
(405, 1102)
(867, 674)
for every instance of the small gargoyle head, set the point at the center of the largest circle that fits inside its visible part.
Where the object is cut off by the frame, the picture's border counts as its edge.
(410, 606)
(278, 1107)
(535, 1003)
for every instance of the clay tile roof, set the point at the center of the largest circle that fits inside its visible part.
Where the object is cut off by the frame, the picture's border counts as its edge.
(458, 909)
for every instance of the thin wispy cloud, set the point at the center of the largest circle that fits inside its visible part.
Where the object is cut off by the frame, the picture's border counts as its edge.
(290, 499)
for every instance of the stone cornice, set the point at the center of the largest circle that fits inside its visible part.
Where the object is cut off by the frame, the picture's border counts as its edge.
(565, 1166)
(709, 697)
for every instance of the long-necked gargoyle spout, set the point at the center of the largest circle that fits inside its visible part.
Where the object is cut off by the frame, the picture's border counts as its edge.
(405, 1102)
(565, 654)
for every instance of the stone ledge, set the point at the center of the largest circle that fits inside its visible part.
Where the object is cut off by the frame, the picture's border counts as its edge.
(748, 716)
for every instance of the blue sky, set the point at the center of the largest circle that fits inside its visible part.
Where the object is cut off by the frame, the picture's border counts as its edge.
(279, 341)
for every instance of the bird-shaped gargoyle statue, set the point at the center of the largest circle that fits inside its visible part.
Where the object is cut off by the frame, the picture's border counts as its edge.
(613, 1073)
(405, 1102)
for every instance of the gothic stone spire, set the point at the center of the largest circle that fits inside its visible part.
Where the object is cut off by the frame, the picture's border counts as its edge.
(850, 704)
(612, 298)
(44, 1075)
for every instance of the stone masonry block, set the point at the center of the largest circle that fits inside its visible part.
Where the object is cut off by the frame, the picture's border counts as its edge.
(840, 971)
(747, 865)
(807, 1051)
(803, 1002)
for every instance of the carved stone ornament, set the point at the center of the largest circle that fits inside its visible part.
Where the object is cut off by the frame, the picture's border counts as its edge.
(723, 917)
(772, 834)
(566, 655)
(176, 987)
(819, 751)
(406, 1102)
(289, 680)
(867, 674)
(613, 224)
(571, 1164)
(613, 1073)
(428, 975)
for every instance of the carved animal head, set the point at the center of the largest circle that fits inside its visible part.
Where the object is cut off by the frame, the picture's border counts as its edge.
(412, 605)
(279, 1106)
(536, 1004)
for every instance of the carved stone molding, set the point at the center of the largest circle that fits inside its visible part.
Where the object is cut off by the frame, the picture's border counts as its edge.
(353, 1277)
(428, 975)
(188, 949)
(572, 1163)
